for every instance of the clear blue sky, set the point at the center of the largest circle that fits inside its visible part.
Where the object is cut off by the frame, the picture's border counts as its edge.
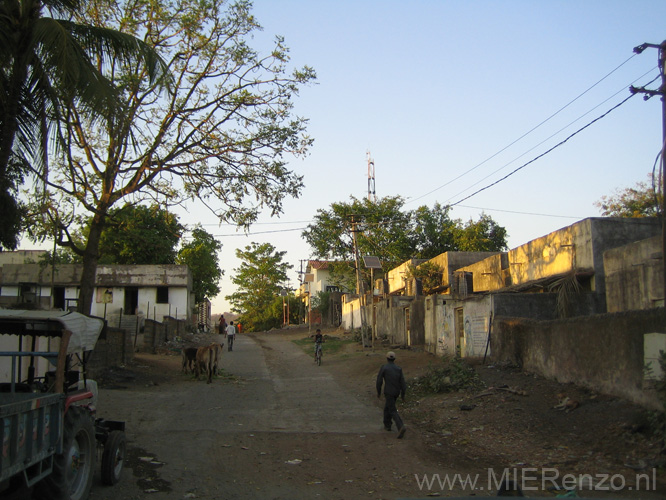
(441, 92)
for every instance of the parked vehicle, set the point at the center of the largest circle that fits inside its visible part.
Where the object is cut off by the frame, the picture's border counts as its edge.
(49, 430)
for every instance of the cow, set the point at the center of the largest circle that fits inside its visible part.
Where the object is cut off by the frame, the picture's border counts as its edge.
(207, 360)
(189, 355)
(217, 348)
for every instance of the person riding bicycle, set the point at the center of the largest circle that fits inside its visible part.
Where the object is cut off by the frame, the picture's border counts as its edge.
(319, 339)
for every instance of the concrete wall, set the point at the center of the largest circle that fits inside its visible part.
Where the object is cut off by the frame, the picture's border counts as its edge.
(604, 352)
(351, 312)
(396, 276)
(453, 261)
(21, 256)
(635, 276)
(416, 334)
(114, 348)
(579, 246)
(390, 319)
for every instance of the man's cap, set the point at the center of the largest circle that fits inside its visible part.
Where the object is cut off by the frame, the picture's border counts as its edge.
(390, 355)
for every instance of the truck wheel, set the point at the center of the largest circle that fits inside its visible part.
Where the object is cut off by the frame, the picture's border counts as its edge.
(72, 475)
(113, 457)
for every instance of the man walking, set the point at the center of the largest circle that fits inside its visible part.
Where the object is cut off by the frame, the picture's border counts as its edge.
(390, 375)
(231, 335)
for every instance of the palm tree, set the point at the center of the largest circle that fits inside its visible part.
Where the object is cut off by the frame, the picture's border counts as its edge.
(48, 63)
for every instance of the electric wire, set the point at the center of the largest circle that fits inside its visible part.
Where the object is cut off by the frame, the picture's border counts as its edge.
(551, 136)
(526, 133)
(544, 153)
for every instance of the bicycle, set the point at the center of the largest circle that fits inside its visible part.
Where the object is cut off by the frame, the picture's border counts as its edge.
(318, 354)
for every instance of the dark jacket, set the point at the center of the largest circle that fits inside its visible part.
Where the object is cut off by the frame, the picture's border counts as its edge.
(394, 381)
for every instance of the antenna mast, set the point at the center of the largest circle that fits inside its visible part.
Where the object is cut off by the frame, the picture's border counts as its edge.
(371, 179)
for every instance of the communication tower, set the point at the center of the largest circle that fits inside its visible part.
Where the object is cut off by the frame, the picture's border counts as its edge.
(371, 179)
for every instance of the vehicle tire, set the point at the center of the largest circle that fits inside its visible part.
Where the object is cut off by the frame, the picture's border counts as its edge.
(72, 475)
(113, 457)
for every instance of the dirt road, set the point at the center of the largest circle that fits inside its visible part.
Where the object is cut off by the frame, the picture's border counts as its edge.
(277, 426)
(281, 427)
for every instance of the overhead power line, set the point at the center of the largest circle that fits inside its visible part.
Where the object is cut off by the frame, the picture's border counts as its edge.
(545, 152)
(623, 89)
(526, 133)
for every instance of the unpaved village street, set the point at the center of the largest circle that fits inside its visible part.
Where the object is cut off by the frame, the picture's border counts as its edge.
(277, 426)
(280, 428)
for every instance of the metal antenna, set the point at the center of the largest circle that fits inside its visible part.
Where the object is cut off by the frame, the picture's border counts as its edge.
(371, 179)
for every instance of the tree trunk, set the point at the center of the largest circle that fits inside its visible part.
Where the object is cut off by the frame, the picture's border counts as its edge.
(90, 258)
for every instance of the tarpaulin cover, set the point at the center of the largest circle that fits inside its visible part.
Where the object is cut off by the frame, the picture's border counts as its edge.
(85, 330)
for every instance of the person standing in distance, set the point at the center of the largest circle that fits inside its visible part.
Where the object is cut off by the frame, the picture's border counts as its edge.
(391, 377)
(231, 335)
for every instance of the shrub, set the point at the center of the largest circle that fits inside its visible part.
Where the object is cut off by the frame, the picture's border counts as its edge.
(453, 375)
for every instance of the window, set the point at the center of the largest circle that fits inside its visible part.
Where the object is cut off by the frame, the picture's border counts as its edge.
(162, 295)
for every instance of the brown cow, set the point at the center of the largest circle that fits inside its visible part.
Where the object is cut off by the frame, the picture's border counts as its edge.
(217, 348)
(207, 360)
(189, 355)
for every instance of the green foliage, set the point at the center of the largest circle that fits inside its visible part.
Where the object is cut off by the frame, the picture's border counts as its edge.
(643, 200)
(342, 275)
(430, 275)
(278, 309)
(138, 235)
(434, 232)
(258, 282)
(453, 375)
(201, 256)
(320, 302)
(484, 235)
(383, 229)
(61, 257)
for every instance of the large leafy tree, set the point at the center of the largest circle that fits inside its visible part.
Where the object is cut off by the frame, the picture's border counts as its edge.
(222, 137)
(385, 230)
(433, 231)
(137, 234)
(380, 228)
(483, 235)
(643, 200)
(258, 281)
(201, 256)
(47, 63)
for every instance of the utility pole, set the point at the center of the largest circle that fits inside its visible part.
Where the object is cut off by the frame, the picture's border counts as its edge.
(359, 288)
(647, 94)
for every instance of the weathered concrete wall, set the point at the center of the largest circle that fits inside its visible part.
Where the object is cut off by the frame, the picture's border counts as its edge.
(439, 317)
(635, 276)
(396, 276)
(438, 322)
(351, 312)
(487, 262)
(604, 352)
(21, 256)
(390, 319)
(417, 322)
(579, 246)
(154, 334)
(114, 348)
